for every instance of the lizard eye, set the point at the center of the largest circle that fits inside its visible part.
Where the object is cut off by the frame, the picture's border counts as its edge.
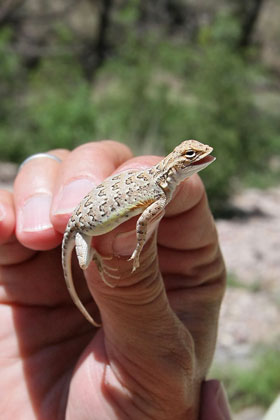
(190, 154)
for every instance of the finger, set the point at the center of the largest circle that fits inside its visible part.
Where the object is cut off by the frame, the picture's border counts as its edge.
(33, 192)
(186, 196)
(87, 166)
(7, 216)
(138, 163)
(11, 252)
(136, 315)
(191, 225)
(187, 264)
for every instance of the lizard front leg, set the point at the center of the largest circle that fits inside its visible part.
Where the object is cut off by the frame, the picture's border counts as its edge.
(149, 215)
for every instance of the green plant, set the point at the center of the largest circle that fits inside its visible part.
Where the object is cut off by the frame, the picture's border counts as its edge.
(153, 92)
(257, 384)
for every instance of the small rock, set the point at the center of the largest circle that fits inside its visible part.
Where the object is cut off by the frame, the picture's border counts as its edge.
(247, 319)
(251, 247)
(8, 171)
(251, 413)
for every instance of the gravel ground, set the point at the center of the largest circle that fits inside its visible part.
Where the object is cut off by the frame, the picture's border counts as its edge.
(250, 313)
(251, 246)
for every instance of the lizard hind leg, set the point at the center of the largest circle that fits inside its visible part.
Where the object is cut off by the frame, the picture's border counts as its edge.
(147, 219)
(84, 251)
(85, 254)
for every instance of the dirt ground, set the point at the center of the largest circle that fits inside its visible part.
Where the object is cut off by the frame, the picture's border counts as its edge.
(251, 246)
(250, 314)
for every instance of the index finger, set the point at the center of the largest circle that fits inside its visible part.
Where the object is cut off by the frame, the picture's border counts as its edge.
(188, 223)
(83, 169)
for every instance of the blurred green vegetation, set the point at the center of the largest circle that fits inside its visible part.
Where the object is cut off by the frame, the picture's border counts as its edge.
(234, 282)
(153, 92)
(256, 384)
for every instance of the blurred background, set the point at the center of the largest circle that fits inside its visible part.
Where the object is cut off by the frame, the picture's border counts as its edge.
(151, 73)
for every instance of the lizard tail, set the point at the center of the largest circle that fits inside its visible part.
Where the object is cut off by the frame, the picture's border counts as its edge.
(68, 245)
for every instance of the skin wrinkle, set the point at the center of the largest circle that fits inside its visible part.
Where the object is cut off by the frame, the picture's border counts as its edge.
(213, 270)
(28, 353)
(146, 273)
(163, 332)
(207, 270)
(50, 391)
(183, 283)
(25, 254)
(182, 261)
(121, 381)
(63, 401)
(11, 266)
(140, 404)
(163, 355)
(135, 309)
(131, 289)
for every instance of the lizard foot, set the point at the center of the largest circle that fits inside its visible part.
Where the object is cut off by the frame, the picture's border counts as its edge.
(104, 273)
(135, 258)
(105, 270)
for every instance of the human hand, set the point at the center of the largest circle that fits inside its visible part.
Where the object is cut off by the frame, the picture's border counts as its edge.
(158, 332)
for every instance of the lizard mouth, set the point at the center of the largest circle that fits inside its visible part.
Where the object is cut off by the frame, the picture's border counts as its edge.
(206, 160)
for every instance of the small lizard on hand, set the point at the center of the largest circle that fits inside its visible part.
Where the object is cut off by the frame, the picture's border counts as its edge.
(121, 197)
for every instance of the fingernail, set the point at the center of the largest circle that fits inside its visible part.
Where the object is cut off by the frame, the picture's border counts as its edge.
(124, 243)
(71, 195)
(2, 214)
(35, 214)
(222, 402)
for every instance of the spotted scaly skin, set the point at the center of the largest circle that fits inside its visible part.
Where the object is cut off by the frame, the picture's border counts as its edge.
(121, 197)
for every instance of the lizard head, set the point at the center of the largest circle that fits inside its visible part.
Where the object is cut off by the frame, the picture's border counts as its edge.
(188, 158)
(191, 156)
(192, 152)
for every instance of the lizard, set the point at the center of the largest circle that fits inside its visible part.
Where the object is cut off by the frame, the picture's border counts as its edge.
(119, 198)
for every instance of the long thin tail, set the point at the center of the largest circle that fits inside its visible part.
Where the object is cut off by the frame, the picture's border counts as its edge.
(68, 245)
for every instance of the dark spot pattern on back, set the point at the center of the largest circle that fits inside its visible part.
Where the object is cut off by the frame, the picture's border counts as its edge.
(102, 193)
(143, 176)
(116, 186)
(129, 180)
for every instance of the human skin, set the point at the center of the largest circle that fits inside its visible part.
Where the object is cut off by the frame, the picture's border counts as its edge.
(159, 324)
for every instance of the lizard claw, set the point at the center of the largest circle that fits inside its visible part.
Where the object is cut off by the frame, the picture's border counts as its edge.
(135, 258)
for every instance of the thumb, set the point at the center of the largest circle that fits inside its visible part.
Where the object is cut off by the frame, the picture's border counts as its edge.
(121, 292)
(144, 339)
